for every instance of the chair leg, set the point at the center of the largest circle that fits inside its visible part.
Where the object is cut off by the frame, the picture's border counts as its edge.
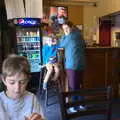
(62, 82)
(58, 88)
(46, 98)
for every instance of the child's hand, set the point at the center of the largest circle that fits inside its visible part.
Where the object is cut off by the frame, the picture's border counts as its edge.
(34, 116)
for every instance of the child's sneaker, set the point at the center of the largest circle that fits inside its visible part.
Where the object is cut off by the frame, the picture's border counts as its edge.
(72, 110)
(44, 86)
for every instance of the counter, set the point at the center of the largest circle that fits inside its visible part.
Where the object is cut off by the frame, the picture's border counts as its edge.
(102, 68)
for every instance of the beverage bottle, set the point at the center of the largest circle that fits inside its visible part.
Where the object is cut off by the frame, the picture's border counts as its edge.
(38, 35)
(35, 36)
(27, 36)
(31, 36)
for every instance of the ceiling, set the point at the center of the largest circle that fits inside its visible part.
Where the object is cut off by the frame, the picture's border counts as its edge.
(73, 2)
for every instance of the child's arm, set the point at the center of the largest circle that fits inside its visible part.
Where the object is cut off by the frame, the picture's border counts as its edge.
(36, 110)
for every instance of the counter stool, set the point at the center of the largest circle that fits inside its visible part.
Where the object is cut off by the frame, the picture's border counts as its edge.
(53, 87)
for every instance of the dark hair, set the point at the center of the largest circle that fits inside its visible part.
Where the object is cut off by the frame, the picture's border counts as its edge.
(69, 23)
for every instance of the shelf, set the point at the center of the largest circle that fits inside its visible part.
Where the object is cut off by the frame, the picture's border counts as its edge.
(28, 36)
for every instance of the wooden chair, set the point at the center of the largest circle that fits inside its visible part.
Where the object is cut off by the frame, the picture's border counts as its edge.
(96, 101)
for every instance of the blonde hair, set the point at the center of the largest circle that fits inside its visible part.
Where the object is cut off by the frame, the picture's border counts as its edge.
(14, 64)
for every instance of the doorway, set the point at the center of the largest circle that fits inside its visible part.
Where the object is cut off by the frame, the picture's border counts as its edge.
(105, 32)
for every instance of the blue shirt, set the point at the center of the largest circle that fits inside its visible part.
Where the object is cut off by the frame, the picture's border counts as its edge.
(49, 52)
(74, 50)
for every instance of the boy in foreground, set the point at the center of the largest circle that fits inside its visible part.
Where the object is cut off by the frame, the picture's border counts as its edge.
(15, 102)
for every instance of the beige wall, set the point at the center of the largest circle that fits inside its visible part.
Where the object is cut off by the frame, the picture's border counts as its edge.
(92, 14)
(75, 14)
(89, 16)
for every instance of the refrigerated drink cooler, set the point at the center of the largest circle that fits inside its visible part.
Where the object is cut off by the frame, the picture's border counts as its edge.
(29, 41)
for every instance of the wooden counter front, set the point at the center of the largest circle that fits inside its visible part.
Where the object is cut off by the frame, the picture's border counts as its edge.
(102, 68)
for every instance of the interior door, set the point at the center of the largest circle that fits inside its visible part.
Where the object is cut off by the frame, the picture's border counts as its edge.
(105, 33)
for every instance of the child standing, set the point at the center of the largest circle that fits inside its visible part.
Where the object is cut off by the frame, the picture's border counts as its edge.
(50, 60)
(15, 102)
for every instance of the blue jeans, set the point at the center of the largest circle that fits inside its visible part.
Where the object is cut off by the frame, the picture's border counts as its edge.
(75, 98)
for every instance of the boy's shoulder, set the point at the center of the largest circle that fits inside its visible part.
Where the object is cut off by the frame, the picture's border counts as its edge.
(2, 93)
(27, 95)
(3, 96)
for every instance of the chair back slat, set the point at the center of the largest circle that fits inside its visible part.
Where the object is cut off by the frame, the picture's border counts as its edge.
(96, 101)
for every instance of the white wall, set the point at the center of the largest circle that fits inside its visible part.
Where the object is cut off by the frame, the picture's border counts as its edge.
(15, 8)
